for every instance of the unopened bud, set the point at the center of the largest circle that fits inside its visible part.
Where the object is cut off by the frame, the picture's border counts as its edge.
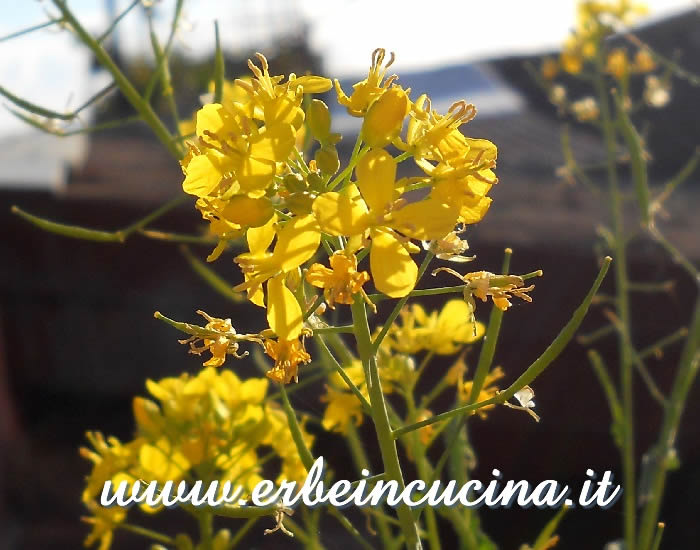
(318, 117)
(327, 160)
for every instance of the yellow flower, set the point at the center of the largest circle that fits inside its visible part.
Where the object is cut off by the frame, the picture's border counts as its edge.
(296, 243)
(617, 63)
(374, 206)
(643, 61)
(368, 90)
(343, 408)
(427, 433)
(288, 355)
(228, 219)
(435, 137)
(460, 168)
(104, 521)
(483, 284)
(223, 344)
(488, 390)
(233, 155)
(549, 68)
(341, 281)
(571, 61)
(443, 333)
(585, 109)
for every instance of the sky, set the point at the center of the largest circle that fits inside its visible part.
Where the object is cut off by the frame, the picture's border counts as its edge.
(49, 68)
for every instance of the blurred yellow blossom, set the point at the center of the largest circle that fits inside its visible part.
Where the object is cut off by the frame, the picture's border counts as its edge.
(488, 390)
(444, 332)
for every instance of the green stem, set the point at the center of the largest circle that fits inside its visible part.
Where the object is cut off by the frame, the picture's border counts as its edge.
(387, 445)
(622, 303)
(130, 93)
(147, 533)
(206, 529)
(418, 451)
(687, 371)
(488, 346)
(304, 453)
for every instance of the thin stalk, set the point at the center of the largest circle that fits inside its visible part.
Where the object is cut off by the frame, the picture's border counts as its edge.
(147, 533)
(359, 456)
(341, 372)
(622, 305)
(387, 445)
(418, 451)
(304, 453)
(211, 277)
(117, 19)
(206, 529)
(488, 345)
(31, 29)
(130, 93)
(687, 371)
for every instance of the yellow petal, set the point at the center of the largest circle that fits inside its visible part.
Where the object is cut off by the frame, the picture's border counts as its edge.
(376, 175)
(283, 311)
(481, 149)
(246, 211)
(274, 143)
(254, 174)
(393, 270)
(343, 213)
(427, 220)
(297, 242)
(260, 238)
(385, 117)
(312, 84)
(210, 118)
(204, 173)
(474, 211)
(284, 109)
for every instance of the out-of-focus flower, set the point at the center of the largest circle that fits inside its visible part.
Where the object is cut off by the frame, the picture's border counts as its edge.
(549, 68)
(643, 61)
(618, 64)
(657, 92)
(488, 390)
(586, 109)
(444, 332)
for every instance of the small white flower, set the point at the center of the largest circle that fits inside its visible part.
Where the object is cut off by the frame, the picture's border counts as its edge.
(524, 397)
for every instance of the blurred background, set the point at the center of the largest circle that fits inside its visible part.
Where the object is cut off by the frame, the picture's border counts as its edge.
(77, 334)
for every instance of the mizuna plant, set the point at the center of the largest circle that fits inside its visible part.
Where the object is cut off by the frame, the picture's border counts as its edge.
(261, 166)
(613, 71)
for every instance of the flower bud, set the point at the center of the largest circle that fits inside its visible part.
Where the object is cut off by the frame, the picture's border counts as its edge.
(327, 159)
(385, 117)
(318, 117)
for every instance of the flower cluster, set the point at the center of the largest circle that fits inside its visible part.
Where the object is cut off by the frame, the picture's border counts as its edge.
(252, 181)
(585, 49)
(212, 426)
